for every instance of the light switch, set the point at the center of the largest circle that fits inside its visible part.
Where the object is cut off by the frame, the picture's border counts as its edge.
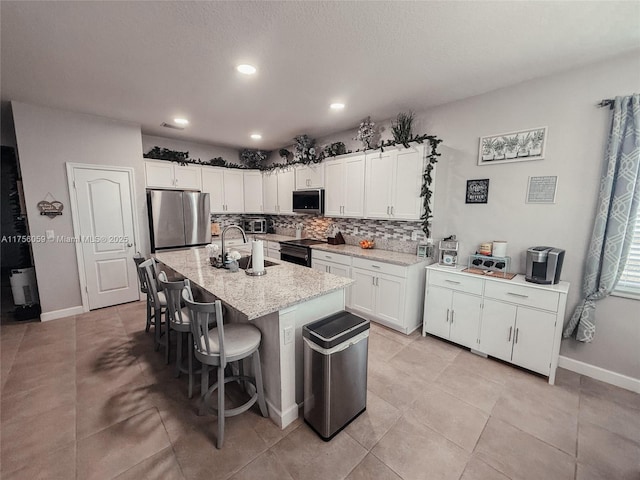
(288, 335)
(51, 236)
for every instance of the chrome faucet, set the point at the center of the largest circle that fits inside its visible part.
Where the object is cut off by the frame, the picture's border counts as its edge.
(223, 254)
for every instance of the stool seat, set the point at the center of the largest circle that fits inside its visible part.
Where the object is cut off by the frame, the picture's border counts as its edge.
(240, 339)
(185, 324)
(162, 298)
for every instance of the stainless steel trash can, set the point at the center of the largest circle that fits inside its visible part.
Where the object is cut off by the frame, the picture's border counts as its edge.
(335, 372)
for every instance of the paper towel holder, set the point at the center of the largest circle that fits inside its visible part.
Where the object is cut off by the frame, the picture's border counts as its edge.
(251, 272)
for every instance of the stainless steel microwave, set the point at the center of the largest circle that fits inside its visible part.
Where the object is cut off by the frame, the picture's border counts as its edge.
(255, 225)
(308, 201)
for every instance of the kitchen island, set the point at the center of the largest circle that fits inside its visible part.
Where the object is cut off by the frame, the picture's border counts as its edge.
(279, 303)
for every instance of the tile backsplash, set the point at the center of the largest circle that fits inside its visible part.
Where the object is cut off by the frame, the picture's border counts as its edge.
(388, 234)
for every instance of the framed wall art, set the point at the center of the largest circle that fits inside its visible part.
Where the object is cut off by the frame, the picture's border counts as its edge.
(520, 146)
(477, 191)
(542, 189)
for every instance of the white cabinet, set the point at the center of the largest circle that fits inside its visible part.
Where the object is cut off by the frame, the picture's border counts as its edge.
(334, 263)
(511, 320)
(387, 293)
(452, 315)
(278, 192)
(165, 174)
(310, 176)
(253, 191)
(225, 187)
(344, 186)
(516, 333)
(272, 249)
(393, 183)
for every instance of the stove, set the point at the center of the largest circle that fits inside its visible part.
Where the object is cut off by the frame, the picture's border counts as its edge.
(298, 251)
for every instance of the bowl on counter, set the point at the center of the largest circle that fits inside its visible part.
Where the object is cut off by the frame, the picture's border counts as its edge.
(367, 244)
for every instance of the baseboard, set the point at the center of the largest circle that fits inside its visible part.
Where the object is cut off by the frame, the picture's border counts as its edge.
(607, 376)
(282, 419)
(65, 312)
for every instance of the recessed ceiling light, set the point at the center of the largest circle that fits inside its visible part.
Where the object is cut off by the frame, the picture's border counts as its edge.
(181, 121)
(256, 136)
(336, 106)
(246, 69)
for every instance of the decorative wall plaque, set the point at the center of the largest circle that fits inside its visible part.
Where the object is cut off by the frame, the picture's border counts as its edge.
(542, 189)
(477, 191)
(50, 206)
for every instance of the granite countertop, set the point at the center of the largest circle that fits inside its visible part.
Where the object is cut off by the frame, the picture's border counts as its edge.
(284, 285)
(396, 258)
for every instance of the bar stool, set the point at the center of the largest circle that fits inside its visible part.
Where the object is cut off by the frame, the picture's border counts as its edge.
(158, 304)
(138, 259)
(180, 322)
(218, 347)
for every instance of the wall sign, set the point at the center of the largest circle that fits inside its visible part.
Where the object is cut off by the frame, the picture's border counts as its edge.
(513, 146)
(542, 189)
(50, 206)
(477, 191)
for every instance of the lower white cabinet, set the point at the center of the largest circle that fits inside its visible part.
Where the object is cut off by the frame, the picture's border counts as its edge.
(387, 293)
(453, 315)
(272, 249)
(334, 263)
(512, 320)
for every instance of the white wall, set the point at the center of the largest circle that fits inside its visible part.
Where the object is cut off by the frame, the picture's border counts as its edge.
(575, 149)
(47, 139)
(196, 150)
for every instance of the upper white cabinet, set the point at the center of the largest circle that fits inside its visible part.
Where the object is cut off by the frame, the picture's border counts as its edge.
(165, 174)
(253, 191)
(393, 183)
(310, 176)
(511, 320)
(278, 192)
(225, 187)
(344, 186)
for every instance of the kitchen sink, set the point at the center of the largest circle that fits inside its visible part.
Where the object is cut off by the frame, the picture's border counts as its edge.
(243, 263)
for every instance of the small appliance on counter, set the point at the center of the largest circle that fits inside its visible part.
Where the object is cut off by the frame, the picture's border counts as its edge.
(497, 266)
(544, 265)
(448, 251)
(254, 225)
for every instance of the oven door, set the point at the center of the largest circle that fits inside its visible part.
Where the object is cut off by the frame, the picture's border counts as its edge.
(297, 255)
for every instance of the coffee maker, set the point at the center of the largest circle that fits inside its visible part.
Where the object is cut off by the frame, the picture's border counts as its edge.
(544, 265)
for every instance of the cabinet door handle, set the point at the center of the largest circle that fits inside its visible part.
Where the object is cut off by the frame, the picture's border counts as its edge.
(452, 281)
(387, 210)
(452, 312)
(392, 210)
(326, 268)
(373, 281)
(377, 281)
(447, 320)
(375, 266)
(518, 295)
(328, 256)
(510, 332)
(517, 330)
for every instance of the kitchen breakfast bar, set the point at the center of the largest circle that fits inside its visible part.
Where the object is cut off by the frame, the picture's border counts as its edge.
(279, 303)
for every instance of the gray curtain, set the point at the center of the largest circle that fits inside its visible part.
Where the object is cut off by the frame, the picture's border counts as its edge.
(615, 218)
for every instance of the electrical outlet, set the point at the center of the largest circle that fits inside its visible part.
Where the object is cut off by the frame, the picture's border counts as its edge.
(51, 236)
(355, 231)
(288, 335)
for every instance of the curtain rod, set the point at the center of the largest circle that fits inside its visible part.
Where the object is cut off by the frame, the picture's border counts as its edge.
(607, 102)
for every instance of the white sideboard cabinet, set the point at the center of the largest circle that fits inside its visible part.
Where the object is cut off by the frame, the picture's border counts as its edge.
(513, 320)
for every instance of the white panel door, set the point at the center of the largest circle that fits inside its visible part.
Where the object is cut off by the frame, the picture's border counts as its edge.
(379, 180)
(270, 192)
(188, 177)
(213, 184)
(407, 203)
(106, 222)
(465, 319)
(354, 168)
(253, 192)
(363, 290)
(389, 298)
(437, 308)
(233, 191)
(286, 185)
(533, 342)
(334, 188)
(320, 265)
(159, 174)
(498, 329)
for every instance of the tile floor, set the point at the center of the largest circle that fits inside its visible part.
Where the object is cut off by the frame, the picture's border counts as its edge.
(88, 397)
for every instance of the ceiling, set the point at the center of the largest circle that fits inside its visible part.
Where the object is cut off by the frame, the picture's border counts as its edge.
(148, 62)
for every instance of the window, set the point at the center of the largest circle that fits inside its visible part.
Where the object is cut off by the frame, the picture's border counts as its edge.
(629, 283)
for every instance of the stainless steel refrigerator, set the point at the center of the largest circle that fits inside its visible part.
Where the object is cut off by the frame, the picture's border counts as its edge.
(178, 219)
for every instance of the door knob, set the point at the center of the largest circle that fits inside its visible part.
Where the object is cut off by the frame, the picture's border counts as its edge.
(129, 245)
